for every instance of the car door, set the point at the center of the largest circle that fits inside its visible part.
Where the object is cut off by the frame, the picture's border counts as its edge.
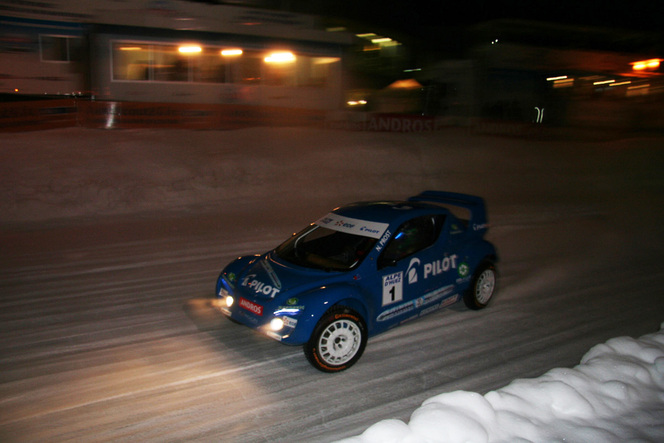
(439, 271)
(401, 266)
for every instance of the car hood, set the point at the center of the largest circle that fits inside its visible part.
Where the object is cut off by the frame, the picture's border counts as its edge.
(269, 277)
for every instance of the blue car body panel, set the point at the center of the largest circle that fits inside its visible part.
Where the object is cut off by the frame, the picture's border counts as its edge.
(385, 291)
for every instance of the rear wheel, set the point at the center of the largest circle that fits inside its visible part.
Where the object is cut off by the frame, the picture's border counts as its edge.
(482, 287)
(338, 340)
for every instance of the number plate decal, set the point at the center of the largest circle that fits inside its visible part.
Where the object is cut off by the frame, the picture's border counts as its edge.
(392, 288)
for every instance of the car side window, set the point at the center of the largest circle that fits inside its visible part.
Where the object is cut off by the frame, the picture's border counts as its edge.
(411, 237)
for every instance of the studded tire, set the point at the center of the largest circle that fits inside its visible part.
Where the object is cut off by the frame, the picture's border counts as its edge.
(338, 340)
(482, 287)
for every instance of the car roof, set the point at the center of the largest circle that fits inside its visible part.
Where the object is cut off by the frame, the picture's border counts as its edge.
(388, 211)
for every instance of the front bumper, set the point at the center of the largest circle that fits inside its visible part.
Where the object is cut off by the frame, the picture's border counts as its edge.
(279, 324)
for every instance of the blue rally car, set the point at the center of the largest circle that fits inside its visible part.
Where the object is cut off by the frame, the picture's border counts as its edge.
(360, 270)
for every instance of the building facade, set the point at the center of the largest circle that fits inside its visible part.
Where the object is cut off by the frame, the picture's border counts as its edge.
(169, 51)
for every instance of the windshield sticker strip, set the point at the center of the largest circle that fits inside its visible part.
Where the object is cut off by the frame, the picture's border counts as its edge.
(353, 225)
(270, 272)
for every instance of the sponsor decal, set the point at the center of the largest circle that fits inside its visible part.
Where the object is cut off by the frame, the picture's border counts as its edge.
(383, 240)
(410, 306)
(449, 301)
(440, 266)
(356, 226)
(440, 305)
(289, 322)
(396, 311)
(430, 309)
(392, 288)
(273, 275)
(438, 294)
(464, 273)
(251, 306)
(455, 229)
(433, 268)
(412, 270)
(259, 287)
(400, 123)
(291, 308)
(479, 227)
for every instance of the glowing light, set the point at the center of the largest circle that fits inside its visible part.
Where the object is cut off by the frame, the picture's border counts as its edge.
(231, 52)
(408, 83)
(357, 102)
(280, 57)
(621, 83)
(381, 40)
(276, 324)
(190, 49)
(563, 82)
(604, 82)
(553, 79)
(643, 65)
(325, 60)
(638, 90)
(229, 301)
(130, 48)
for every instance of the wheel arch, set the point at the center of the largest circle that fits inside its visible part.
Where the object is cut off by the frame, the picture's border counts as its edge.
(356, 305)
(481, 252)
(321, 300)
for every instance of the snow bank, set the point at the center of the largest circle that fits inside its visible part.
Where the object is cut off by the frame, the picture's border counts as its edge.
(616, 394)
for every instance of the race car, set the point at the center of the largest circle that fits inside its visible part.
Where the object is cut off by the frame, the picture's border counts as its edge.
(362, 269)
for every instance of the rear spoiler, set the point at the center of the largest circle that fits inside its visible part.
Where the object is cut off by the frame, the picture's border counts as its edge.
(478, 222)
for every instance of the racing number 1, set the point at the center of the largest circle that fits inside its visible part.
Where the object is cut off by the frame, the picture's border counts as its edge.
(392, 288)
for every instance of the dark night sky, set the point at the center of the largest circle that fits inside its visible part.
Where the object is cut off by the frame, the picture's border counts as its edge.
(628, 14)
(439, 22)
(442, 25)
(413, 14)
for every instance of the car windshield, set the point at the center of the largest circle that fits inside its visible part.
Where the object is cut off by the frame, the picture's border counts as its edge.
(323, 248)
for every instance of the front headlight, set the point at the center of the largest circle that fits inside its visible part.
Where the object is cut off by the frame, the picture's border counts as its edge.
(229, 300)
(277, 324)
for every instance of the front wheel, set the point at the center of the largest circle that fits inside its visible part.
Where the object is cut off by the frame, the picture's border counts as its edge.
(338, 340)
(482, 287)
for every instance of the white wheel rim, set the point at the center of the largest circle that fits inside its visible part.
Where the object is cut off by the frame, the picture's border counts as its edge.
(486, 283)
(339, 342)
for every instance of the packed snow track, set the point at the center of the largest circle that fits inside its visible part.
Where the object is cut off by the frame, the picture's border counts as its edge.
(112, 241)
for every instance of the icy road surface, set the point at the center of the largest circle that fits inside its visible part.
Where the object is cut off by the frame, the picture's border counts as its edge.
(111, 242)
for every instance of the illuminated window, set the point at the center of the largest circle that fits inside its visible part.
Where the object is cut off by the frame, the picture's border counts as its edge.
(131, 61)
(194, 63)
(280, 68)
(210, 67)
(171, 65)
